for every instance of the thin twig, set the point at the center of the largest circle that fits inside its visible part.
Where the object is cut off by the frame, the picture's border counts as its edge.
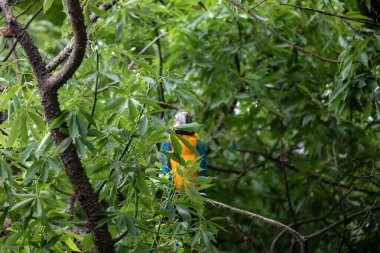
(307, 221)
(60, 57)
(352, 216)
(257, 5)
(14, 54)
(26, 9)
(107, 86)
(359, 20)
(285, 170)
(130, 66)
(26, 27)
(160, 88)
(280, 37)
(96, 88)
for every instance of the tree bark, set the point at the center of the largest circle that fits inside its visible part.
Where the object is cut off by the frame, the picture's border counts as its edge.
(48, 86)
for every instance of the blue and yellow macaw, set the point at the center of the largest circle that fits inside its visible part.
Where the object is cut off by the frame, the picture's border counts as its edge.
(183, 117)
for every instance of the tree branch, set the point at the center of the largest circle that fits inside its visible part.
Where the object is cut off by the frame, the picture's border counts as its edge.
(26, 27)
(34, 57)
(359, 20)
(79, 47)
(348, 218)
(279, 36)
(104, 6)
(61, 57)
(306, 221)
(300, 238)
(130, 66)
(48, 91)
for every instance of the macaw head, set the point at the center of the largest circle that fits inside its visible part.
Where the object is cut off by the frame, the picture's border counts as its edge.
(182, 117)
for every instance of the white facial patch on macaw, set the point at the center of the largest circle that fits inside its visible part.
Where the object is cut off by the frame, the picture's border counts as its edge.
(181, 118)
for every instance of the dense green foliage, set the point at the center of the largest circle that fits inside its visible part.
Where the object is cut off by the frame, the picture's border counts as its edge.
(288, 136)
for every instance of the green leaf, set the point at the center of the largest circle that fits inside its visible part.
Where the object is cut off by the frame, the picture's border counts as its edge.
(141, 183)
(188, 144)
(33, 170)
(63, 145)
(184, 212)
(191, 127)
(24, 131)
(175, 157)
(14, 132)
(177, 147)
(52, 242)
(338, 91)
(57, 121)
(148, 101)
(43, 145)
(72, 245)
(131, 110)
(87, 243)
(131, 227)
(114, 104)
(21, 204)
(40, 123)
(74, 127)
(363, 58)
(6, 96)
(377, 42)
(195, 238)
(346, 70)
(47, 5)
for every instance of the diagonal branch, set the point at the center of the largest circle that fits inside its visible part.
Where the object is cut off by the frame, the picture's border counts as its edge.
(35, 59)
(359, 20)
(300, 238)
(79, 47)
(279, 36)
(130, 66)
(60, 57)
(26, 27)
